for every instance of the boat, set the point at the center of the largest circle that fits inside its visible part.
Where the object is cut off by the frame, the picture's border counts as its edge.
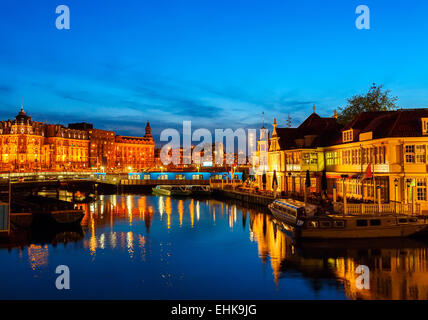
(332, 226)
(58, 218)
(291, 211)
(21, 220)
(166, 190)
(68, 216)
(305, 223)
(201, 190)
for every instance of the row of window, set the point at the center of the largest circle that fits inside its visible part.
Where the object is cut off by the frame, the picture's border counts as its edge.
(415, 153)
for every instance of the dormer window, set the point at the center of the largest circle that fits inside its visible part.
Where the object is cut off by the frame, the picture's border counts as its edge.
(424, 126)
(347, 136)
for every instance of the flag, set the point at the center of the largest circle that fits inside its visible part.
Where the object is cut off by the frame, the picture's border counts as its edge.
(274, 181)
(308, 179)
(368, 173)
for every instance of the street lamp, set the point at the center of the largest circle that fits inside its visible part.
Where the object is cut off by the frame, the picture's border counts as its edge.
(344, 177)
(396, 193)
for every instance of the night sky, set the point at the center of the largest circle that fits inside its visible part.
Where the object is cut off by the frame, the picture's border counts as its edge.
(217, 63)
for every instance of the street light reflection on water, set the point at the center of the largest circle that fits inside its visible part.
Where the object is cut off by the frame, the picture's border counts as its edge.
(148, 247)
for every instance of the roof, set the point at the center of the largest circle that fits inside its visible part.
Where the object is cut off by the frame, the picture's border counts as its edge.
(383, 124)
(318, 131)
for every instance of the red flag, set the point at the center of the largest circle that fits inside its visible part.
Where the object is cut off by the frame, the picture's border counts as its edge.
(368, 174)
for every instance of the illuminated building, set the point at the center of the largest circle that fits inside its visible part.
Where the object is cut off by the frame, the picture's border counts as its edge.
(28, 145)
(393, 143)
(293, 151)
(135, 154)
(101, 146)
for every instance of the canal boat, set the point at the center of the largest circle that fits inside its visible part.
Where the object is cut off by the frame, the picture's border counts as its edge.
(200, 190)
(291, 211)
(21, 220)
(361, 227)
(58, 218)
(167, 190)
(64, 217)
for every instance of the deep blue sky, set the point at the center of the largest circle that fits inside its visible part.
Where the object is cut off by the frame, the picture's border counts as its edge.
(218, 63)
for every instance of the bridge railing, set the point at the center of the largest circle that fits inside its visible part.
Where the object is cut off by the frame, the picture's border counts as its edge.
(163, 182)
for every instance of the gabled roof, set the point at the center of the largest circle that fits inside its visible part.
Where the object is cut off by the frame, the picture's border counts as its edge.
(325, 131)
(383, 124)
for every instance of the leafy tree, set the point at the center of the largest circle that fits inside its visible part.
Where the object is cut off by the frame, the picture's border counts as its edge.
(376, 99)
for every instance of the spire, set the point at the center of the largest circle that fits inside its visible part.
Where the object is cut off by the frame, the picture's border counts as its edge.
(274, 127)
(335, 114)
(263, 114)
(313, 108)
(148, 130)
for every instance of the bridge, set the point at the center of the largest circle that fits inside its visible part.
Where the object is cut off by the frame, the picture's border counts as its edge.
(87, 182)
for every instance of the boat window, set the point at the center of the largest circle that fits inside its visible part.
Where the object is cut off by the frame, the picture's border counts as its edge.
(413, 220)
(339, 224)
(402, 220)
(375, 222)
(361, 223)
(325, 224)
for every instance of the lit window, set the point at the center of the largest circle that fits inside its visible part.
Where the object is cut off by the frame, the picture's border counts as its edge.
(347, 136)
(420, 153)
(424, 126)
(410, 153)
(421, 189)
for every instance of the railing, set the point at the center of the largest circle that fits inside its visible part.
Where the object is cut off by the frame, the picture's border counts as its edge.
(163, 182)
(375, 208)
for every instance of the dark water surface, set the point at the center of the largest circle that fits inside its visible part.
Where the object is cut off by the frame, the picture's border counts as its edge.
(148, 247)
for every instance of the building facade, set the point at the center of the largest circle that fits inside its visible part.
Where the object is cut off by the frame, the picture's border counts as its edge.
(378, 153)
(28, 145)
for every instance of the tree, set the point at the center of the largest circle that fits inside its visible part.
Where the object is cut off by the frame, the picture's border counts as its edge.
(376, 99)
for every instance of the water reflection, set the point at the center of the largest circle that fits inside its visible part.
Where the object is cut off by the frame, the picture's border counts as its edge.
(158, 232)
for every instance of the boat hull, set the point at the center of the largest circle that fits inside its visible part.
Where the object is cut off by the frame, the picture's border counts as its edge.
(161, 192)
(58, 218)
(398, 231)
(21, 220)
(177, 193)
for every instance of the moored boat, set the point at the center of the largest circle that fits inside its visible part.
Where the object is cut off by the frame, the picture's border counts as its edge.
(166, 190)
(58, 218)
(21, 220)
(307, 225)
(361, 227)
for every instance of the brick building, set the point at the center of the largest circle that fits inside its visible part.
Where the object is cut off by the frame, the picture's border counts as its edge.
(28, 145)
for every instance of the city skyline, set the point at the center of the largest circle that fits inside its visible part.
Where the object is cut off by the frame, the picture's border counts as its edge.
(169, 62)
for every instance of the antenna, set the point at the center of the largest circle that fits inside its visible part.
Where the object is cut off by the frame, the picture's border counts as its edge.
(288, 121)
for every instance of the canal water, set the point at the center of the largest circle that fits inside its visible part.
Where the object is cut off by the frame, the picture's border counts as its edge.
(152, 247)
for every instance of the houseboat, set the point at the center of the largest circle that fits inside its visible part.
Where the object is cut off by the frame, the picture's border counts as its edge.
(171, 191)
(307, 225)
(361, 227)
